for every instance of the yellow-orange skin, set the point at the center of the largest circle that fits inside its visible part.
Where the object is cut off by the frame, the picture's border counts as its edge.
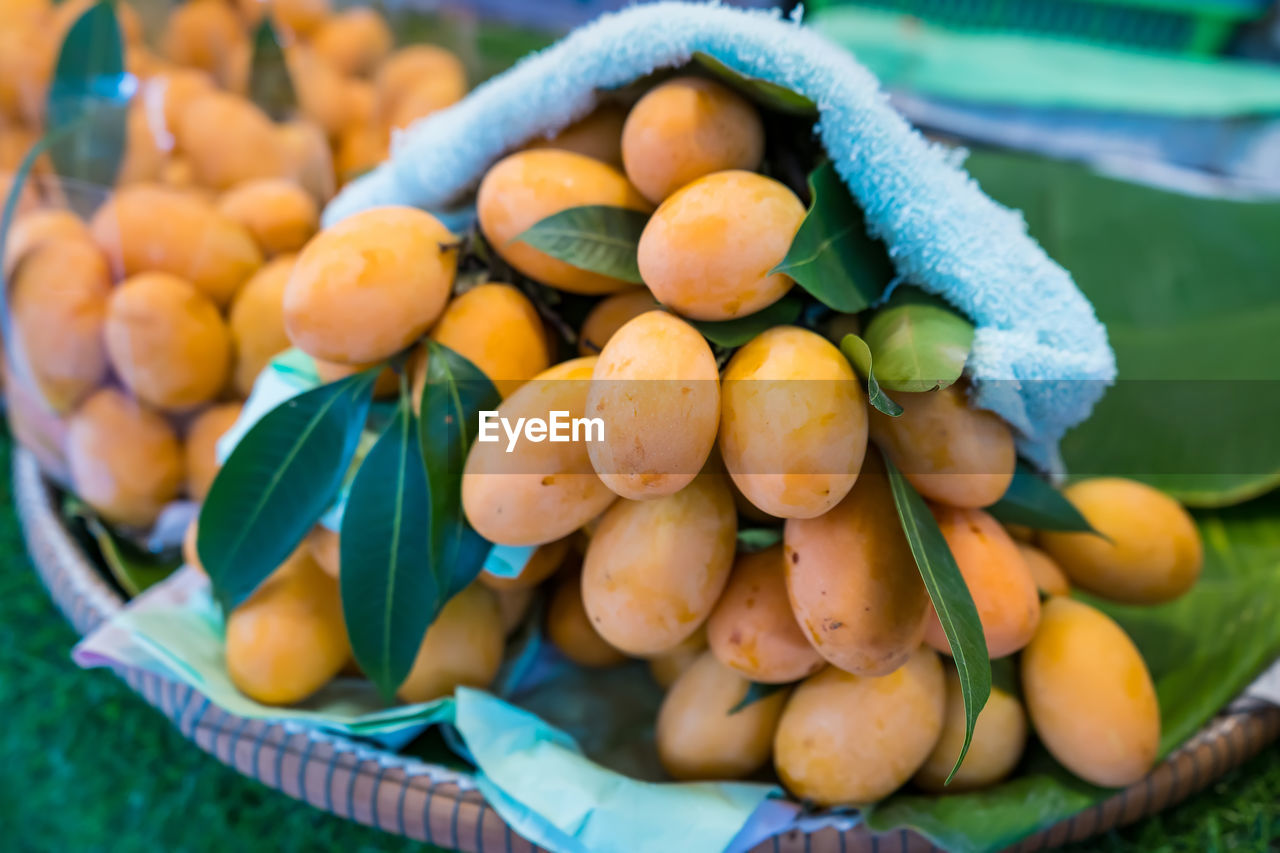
(752, 629)
(414, 67)
(201, 447)
(1151, 552)
(14, 144)
(793, 423)
(1048, 575)
(1090, 696)
(1003, 590)
(496, 328)
(144, 158)
(656, 372)
(228, 141)
(257, 321)
(208, 35)
(323, 546)
(307, 150)
(544, 562)
(147, 228)
(176, 89)
(353, 41)
(428, 96)
(527, 187)
(570, 630)
(359, 149)
(58, 303)
(671, 664)
(36, 427)
(611, 314)
(686, 128)
(951, 453)
(462, 647)
(846, 739)
(27, 57)
(707, 251)
(125, 460)
(598, 135)
(697, 737)
(39, 227)
(542, 491)
(281, 215)
(333, 101)
(386, 385)
(999, 737)
(513, 605)
(853, 583)
(167, 341)
(655, 568)
(369, 286)
(288, 639)
(300, 17)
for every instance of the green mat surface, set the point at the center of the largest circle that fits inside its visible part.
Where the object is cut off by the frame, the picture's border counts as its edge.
(87, 765)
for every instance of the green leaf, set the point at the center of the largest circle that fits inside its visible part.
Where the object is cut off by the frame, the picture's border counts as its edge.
(735, 333)
(134, 569)
(951, 600)
(755, 692)
(1201, 649)
(1186, 286)
(763, 92)
(89, 96)
(758, 538)
(278, 481)
(1033, 502)
(389, 595)
(919, 343)
(456, 392)
(832, 256)
(598, 238)
(270, 86)
(859, 354)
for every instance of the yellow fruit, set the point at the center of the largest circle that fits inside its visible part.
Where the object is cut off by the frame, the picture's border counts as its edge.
(125, 460)
(201, 448)
(611, 314)
(300, 17)
(570, 629)
(167, 341)
(307, 151)
(206, 34)
(323, 546)
(656, 372)
(327, 97)
(685, 129)
(753, 630)
(542, 565)
(698, 737)
(845, 739)
(146, 146)
(793, 423)
(462, 647)
(598, 135)
(529, 186)
(513, 606)
(853, 582)
(58, 304)
(359, 149)
(671, 664)
(174, 90)
(369, 286)
(998, 740)
(229, 141)
(951, 453)
(387, 383)
(288, 639)
(36, 427)
(417, 66)
(707, 251)
(27, 57)
(428, 96)
(146, 228)
(496, 328)
(1149, 550)
(37, 228)
(257, 321)
(1090, 696)
(541, 491)
(1049, 578)
(654, 569)
(280, 214)
(353, 41)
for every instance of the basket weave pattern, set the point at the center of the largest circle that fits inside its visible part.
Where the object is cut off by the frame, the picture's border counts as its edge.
(407, 797)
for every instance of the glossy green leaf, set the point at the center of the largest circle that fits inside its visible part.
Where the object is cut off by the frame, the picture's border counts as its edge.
(456, 392)
(859, 354)
(1033, 502)
(758, 538)
(598, 238)
(134, 569)
(1186, 286)
(390, 596)
(277, 482)
(270, 86)
(951, 600)
(919, 343)
(88, 97)
(832, 256)
(755, 692)
(1202, 650)
(735, 333)
(766, 94)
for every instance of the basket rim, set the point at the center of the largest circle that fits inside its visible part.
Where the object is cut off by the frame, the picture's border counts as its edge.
(427, 802)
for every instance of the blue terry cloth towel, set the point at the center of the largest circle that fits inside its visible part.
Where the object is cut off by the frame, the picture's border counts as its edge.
(1040, 357)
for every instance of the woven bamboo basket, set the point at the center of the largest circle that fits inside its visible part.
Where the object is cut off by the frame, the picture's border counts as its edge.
(408, 797)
